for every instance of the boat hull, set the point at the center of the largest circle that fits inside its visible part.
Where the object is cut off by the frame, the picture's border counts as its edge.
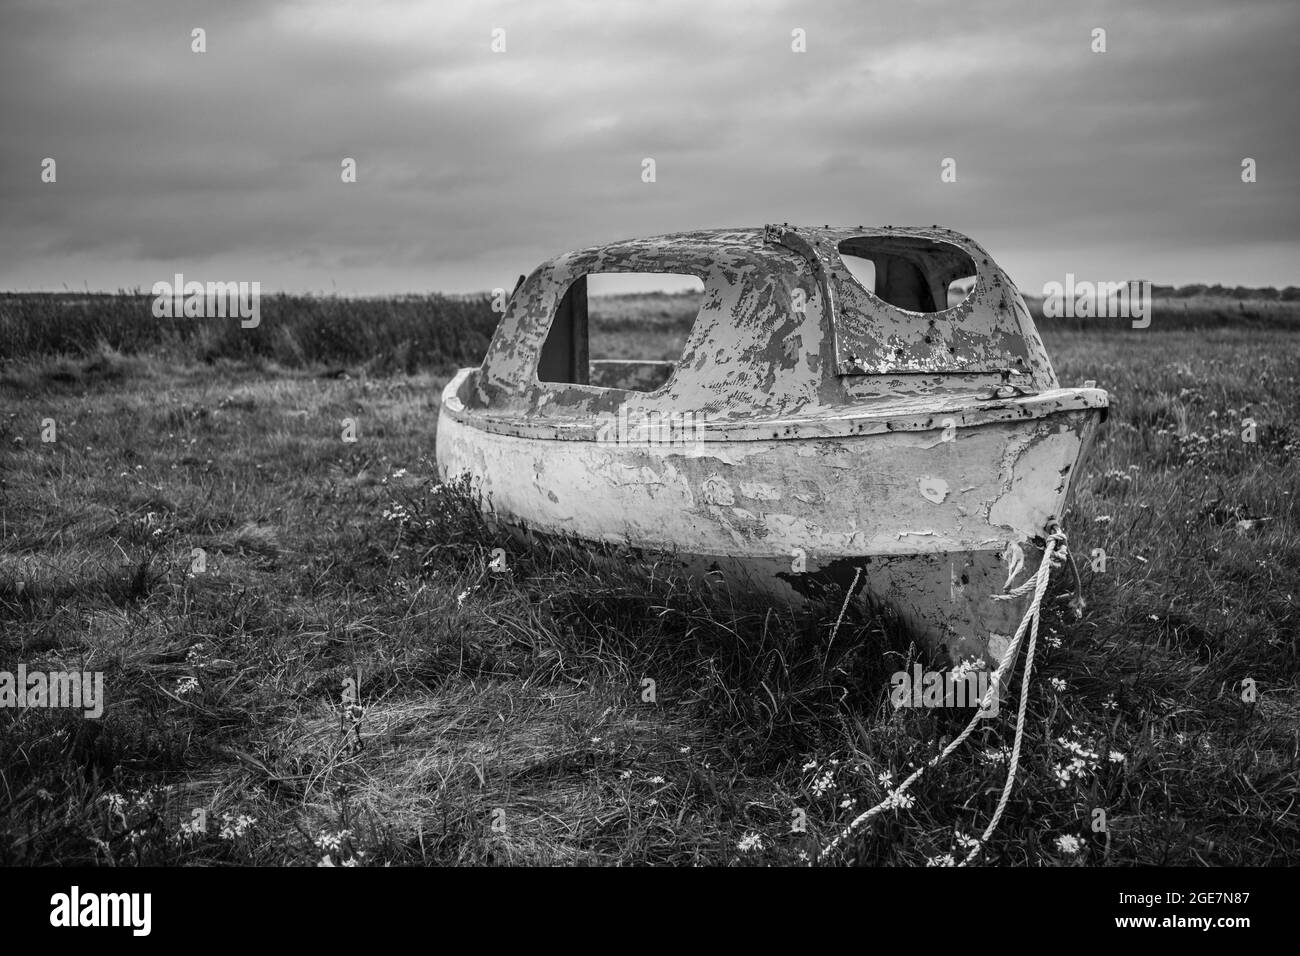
(932, 518)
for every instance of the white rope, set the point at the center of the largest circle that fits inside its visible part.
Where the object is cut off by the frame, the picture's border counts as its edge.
(1053, 556)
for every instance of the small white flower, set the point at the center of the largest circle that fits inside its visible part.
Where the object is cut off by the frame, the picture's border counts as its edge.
(1067, 843)
(898, 800)
(885, 778)
(656, 779)
(1116, 757)
(1057, 684)
(332, 842)
(750, 841)
(944, 860)
(810, 765)
(234, 827)
(823, 783)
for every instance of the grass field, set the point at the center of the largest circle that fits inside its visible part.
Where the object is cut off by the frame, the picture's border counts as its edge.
(502, 717)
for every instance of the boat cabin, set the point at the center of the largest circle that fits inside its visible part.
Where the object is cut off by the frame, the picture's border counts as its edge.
(794, 323)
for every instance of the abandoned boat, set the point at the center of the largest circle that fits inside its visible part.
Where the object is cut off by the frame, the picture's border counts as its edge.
(820, 423)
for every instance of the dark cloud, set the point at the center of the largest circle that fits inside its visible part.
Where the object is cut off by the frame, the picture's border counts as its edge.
(474, 166)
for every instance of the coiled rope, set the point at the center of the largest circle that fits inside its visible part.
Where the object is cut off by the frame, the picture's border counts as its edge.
(1054, 555)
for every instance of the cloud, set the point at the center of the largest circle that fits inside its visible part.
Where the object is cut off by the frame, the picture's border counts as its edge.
(474, 165)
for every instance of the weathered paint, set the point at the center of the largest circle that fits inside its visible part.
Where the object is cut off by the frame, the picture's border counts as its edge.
(751, 354)
(982, 333)
(853, 433)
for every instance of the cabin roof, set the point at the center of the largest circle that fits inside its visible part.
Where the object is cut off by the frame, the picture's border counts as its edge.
(752, 238)
(784, 327)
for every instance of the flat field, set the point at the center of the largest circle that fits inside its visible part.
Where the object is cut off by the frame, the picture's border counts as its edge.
(502, 716)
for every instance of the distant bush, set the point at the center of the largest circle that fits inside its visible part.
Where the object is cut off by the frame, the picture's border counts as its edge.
(1193, 307)
(1197, 290)
(393, 334)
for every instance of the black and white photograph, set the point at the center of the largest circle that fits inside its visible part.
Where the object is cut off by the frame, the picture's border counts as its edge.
(847, 440)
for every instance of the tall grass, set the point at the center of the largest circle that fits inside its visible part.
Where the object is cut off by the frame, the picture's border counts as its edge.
(398, 334)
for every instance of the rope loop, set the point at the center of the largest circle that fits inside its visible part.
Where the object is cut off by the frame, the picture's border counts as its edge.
(1054, 555)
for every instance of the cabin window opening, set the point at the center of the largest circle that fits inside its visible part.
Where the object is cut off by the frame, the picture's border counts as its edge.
(960, 289)
(862, 269)
(621, 330)
(936, 286)
(918, 275)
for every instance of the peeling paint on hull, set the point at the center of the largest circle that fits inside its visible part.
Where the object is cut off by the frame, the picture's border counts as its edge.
(754, 508)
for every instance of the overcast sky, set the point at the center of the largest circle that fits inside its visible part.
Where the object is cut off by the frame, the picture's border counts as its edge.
(473, 166)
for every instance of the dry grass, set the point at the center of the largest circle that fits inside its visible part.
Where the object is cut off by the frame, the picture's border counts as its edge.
(503, 717)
